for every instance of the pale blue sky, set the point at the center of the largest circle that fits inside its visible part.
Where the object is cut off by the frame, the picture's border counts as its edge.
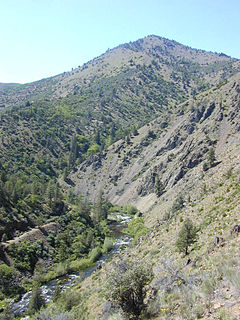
(42, 38)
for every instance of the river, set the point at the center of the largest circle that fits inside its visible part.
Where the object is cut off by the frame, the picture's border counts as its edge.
(69, 280)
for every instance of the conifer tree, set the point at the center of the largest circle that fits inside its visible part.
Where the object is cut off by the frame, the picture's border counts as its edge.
(158, 187)
(186, 236)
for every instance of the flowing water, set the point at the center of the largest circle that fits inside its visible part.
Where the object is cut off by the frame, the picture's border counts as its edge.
(67, 281)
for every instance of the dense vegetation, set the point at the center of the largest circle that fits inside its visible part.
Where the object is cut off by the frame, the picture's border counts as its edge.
(81, 236)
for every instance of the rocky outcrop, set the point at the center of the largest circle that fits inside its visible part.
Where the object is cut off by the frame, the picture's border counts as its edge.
(38, 233)
(172, 151)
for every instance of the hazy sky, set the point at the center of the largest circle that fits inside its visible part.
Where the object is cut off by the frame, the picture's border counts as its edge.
(41, 38)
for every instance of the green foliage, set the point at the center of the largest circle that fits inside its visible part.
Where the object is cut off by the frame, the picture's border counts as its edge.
(178, 204)
(7, 276)
(26, 254)
(136, 228)
(107, 245)
(186, 236)
(95, 148)
(81, 264)
(126, 286)
(36, 301)
(101, 208)
(68, 299)
(210, 160)
(95, 254)
(211, 156)
(130, 210)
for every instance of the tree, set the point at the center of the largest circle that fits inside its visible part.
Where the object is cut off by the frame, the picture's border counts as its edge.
(211, 157)
(178, 204)
(126, 286)
(101, 207)
(186, 236)
(95, 148)
(36, 301)
(7, 276)
(158, 187)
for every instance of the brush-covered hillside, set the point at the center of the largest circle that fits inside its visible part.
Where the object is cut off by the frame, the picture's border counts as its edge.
(166, 151)
(150, 127)
(49, 127)
(62, 120)
(182, 173)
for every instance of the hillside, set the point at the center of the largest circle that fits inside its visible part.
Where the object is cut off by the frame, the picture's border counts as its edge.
(186, 70)
(177, 151)
(101, 102)
(149, 128)
(170, 148)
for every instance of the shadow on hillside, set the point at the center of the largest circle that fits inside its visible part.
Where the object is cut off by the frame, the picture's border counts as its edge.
(70, 182)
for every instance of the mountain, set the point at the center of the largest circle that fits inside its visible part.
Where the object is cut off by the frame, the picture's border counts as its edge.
(107, 98)
(186, 70)
(150, 127)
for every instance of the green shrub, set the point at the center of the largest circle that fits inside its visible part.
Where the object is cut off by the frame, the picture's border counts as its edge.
(136, 228)
(107, 245)
(186, 236)
(36, 302)
(126, 286)
(26, 255)
(81, 264)
(131, 210)
(7, 277)
(95, 254)
(68, 299)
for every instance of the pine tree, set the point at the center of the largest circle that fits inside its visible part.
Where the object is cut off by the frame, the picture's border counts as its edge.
(36, 302)
(158, 187)
(211, 157)
(186, 236)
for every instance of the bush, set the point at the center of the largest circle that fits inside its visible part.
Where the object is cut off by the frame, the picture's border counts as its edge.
(95, 254)
(131, 210)
(68, 299)
(7, 276)
(126, 286)
(59, 270)
(44, 315)
(107, 245)
(81, 264)
(136, 228)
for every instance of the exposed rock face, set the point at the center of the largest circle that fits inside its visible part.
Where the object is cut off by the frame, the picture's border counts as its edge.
(171, 150)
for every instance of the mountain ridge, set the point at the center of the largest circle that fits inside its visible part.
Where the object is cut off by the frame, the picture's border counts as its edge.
(56, 84)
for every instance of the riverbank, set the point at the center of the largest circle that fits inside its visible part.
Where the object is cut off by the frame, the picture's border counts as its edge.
(68, 276)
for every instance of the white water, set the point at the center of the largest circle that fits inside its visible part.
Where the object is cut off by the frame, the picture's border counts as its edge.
(20, 307)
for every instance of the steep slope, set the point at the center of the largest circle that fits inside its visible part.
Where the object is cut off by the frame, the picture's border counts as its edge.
(170, 148)
(184, 163)
(205, 283)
